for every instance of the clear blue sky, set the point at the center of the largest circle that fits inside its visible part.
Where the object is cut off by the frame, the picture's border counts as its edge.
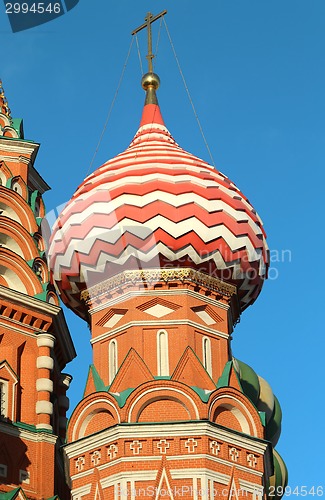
(256, 73)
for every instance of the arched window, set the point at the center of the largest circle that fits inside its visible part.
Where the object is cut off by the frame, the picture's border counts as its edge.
(162, 353)
(206, 349)
(112, 360)
(3, 398)
(17, 187)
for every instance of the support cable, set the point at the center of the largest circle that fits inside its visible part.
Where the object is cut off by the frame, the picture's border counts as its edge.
(111, 107)
(139, 54)
(158, 38)
(188, 93)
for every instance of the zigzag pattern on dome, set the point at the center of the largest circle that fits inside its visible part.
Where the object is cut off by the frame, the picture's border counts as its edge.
(155, 205)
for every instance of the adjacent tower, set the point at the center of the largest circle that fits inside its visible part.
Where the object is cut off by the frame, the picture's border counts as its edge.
(35, 344)
(160, 253)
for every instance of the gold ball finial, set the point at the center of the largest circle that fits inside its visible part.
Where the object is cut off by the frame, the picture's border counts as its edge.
(150, 80)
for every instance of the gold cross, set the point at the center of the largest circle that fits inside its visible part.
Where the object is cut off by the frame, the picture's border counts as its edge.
(149, 20)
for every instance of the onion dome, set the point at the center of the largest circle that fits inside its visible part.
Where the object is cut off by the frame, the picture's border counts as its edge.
(156, 206)
(278, 482)
(260, 394)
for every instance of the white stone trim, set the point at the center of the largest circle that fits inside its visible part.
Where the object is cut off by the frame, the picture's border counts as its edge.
(112, 360)
(118, 461)
(44, 426)
(45, 340)
(85, 421)
(66, 380)
(222, 461)
(156, 293)
(162, 353)
(252, 487)
(243, 417)
(160, 324)
(26, 435)
(45, 362)
(4, 394)
(44, 407)
(40, 306)
(206, 354)
(20, 147)
(44, 384)
(156, 389)
(170, 430)
(138, 475)
(78, 493)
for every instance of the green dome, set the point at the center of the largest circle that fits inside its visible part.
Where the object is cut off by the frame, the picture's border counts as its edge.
(261, 395)
(279, 480)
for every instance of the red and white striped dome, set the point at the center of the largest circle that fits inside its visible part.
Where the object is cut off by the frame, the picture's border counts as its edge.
(154, 206)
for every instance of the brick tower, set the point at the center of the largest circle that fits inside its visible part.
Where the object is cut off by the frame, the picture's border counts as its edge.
(160, 253)
(35, 344)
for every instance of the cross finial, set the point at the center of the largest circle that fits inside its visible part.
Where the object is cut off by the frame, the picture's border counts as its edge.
(4, 107)
(149, 20)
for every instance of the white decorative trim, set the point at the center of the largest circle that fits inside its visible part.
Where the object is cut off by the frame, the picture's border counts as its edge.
(170, 430)
(44, 384)
(44, 426)
(45, 340)
(218, 460)
(78, 493)
(160, 324)
(158, 293)
(199, 473)
(136, 447)
(112, 360)
(26, 435)
(252, 487)
(45, 362)
(38, 306)
(150, 475)
(206, 354)
(156, 389)
(188, 275)
(20, 147)
(86, 420)
(242, 416)
(162, 353)
(4, 384)
(44, 407)
(66, 380)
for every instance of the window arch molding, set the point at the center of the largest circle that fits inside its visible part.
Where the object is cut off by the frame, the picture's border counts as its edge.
(162, 353)
(206, 354)
(112, 360)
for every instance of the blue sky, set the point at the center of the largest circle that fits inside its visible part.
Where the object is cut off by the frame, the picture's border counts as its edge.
(255, 70)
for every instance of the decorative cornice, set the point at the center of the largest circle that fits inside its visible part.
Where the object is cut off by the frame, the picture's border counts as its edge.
(36, 305)
(159, 324)
(18, 146)
(32, 436)
(130, 294)
(194, 428)
(154, 276)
